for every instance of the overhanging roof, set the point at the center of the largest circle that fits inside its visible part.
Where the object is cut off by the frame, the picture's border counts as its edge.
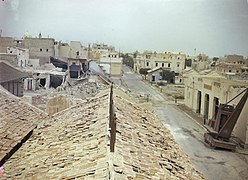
(9, 73)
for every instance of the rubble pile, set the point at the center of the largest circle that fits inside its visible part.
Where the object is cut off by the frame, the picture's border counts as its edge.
(76, 93)
(174, 91)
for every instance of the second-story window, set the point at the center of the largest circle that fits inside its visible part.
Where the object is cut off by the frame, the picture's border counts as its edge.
(156, 64)
(178, 65)
(40, 49)
(46, 50)
(162, 64)
(147, 63)
(169, 65)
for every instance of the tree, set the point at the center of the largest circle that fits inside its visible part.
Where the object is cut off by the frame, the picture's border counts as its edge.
(143, 71)
(127, 60)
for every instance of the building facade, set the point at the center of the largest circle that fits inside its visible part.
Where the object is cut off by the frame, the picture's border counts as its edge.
(22, 55)
(203, 94)
(175, 61)
(12, 79)
(39, 48)
(111, 63)
(6, 42)
(232, 65)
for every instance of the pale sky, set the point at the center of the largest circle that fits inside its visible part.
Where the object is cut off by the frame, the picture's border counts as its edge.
(214, 27)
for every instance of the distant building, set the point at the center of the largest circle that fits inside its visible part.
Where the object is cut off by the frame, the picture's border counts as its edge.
(97, 50)
(72, 50)
(39, 48)
(21, 54)
(12, 79)
(6, 42)
(201, 62)
(111, 63)
(232, 66)
(175, 61)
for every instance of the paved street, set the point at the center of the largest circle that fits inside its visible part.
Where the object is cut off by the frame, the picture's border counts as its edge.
(214, 164)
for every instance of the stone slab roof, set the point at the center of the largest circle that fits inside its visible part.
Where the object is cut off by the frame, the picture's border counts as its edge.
(17, 119)
(145, 149)
(9, 73)
(74, 144)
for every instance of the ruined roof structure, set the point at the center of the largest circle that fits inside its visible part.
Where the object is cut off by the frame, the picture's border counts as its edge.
(74, 144)
(17, 120)
(9, 73)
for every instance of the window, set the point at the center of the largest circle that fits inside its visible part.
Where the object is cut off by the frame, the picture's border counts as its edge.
(178, 65)
(40, 49)
(237, 71)
(11, 52)
(230, 70)
(162, 64)
(147, 63)
(178, 57)
(156, 64)
(46, 50)
(169, 65)
(77, 53)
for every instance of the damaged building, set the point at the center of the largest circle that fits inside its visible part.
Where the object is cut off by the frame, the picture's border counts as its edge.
(44, 79)
(12, 79)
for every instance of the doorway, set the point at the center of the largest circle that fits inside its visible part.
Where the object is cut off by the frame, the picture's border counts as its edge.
(153, 77)
(206, 108)
(198, 110)
(43, 82)
(215, 107)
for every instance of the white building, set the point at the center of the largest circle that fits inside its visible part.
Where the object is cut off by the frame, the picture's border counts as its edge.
(111, 63)
(22, 55)
(73, 50)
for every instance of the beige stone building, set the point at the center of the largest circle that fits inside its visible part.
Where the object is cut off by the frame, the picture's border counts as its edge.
(204, 93)
(6, 42)
(201, 62)
(175, 61)
(232, 66)
(39, 48)
(98, 49)
(73, 50)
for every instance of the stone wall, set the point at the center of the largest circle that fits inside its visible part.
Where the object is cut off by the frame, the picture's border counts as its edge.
(57, 104)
